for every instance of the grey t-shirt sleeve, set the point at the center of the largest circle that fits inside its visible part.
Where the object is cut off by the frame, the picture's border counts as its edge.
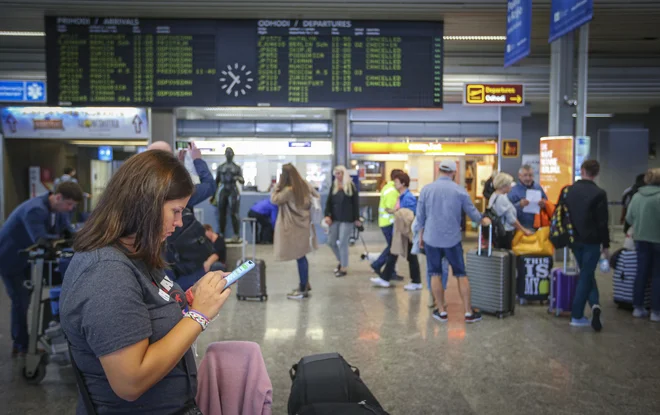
(111, 307)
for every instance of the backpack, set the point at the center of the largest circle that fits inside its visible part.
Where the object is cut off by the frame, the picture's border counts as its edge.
(327, 379)
(499, 233)
(561, 228)
(188, 247)
(489, 189)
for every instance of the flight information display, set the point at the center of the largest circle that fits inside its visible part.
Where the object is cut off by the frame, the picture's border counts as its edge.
(283, 63)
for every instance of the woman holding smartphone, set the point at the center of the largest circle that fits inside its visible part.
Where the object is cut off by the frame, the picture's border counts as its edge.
(130, 327)
(295, 235)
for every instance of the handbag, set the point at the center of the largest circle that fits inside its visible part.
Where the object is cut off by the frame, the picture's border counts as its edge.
(537, 244)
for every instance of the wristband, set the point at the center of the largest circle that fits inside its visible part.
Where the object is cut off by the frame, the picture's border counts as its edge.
(198, 317)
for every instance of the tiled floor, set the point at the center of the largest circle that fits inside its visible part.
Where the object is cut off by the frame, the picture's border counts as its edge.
(531, 363)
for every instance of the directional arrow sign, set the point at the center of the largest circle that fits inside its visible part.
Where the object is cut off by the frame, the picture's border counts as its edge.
(494, 94)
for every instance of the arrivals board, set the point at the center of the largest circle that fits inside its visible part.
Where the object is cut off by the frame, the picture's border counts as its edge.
(281, 63)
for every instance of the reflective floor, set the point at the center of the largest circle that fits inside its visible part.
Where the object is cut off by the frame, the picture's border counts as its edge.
(531, 363)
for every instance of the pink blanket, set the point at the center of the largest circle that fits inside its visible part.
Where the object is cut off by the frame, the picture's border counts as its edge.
(232, 380)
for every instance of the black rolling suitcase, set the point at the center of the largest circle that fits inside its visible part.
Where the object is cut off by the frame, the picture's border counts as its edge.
(253, 284)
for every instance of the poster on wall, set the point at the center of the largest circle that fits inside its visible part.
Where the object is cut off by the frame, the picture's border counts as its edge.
(72, 123)
(534, 161)
(484, 171)
(41, 181)
(582, 153)
(556, 159)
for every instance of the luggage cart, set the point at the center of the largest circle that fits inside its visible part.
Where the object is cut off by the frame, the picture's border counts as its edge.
(44, 330)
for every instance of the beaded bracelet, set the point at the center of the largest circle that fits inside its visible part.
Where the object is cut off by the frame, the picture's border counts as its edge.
(198, 317)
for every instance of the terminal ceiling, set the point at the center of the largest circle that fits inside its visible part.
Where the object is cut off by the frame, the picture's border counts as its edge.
(624, 46)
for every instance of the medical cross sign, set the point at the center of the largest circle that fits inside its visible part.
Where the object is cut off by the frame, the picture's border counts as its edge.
(22, 91)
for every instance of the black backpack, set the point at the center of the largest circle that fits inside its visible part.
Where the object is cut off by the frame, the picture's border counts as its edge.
(188, 247)
(499, 233)
(324, 383)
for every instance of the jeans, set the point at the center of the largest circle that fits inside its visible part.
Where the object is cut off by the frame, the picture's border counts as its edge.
(648, 266)
(445, 275)
(587, 256)
(20, 303)
(388, 232)
(338, 237)
(303, 272)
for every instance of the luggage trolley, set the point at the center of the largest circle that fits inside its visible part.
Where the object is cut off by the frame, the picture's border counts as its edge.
(44, 327)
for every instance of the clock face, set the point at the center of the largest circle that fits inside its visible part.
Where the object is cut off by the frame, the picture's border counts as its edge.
(236, 80)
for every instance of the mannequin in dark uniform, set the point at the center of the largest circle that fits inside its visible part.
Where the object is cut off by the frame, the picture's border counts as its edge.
(227, 175)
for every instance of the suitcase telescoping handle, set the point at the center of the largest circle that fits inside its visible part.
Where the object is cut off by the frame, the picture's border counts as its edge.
(254, 238)
(490, 240)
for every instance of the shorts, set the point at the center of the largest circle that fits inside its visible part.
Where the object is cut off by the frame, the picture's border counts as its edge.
(454, 256)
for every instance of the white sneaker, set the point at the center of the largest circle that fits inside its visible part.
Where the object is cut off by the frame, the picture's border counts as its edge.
(413, 287)
(655, 317)
(379, 282)
(640, 312)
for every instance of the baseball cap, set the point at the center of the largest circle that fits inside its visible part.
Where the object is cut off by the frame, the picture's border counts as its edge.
(448, 166)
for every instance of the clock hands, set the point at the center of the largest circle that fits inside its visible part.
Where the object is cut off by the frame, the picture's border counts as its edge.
(236, 81)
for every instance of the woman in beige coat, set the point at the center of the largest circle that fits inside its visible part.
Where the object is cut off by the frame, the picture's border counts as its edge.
(295, 236)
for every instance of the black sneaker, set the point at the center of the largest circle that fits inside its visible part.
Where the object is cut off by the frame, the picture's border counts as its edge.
(441, 317)
(596, 324)
(396, 277)
(474, 317)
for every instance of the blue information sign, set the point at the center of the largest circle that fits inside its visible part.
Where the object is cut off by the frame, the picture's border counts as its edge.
(105, 153)
(568, 15)
(518, 31)
(22, 91)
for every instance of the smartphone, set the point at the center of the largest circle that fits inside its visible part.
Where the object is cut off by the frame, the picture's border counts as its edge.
(239, 272)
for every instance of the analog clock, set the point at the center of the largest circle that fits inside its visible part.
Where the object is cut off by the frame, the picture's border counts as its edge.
(236, 80)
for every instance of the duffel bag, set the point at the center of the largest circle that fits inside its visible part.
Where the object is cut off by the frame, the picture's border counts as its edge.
(327, 379)
(361, 408)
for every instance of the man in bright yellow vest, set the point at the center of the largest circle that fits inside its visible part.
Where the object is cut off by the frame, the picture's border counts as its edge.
(388, 200)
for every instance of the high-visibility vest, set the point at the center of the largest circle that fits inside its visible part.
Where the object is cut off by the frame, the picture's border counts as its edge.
(388, 198)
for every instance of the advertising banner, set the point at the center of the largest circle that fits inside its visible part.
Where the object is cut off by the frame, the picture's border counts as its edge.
(568, 15)
(75, 123)
(556, 165)
(518, 31)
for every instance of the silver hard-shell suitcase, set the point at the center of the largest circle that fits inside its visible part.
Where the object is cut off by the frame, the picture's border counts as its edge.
(492, 277)
(253, 284)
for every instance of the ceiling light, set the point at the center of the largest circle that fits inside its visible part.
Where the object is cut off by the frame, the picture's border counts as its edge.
(476, 38)
(20, 33)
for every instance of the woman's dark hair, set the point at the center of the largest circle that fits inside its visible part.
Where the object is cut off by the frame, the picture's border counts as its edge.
(299, 187)
(68, 170)
(403, 178)
(132, 204)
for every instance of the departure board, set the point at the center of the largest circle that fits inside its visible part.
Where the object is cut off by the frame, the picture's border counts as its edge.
(173, 63)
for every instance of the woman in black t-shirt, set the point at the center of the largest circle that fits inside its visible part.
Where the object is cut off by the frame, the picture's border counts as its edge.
(342, 212)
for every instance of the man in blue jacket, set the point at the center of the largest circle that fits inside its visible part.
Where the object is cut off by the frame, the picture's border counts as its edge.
(41, 218)
(518, 195)
(265, 212)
